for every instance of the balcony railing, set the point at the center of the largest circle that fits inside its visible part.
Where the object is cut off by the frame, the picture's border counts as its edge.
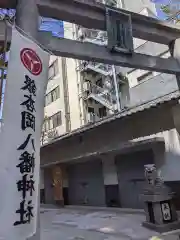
(101, 92)
(95, 67)
(101, 95)
(47, 136)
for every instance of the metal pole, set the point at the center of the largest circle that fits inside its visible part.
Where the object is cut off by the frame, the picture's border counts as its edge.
(27, 19)
(116, 89)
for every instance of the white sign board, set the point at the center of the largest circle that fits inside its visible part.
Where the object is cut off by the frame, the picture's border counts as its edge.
(166, 211)
(20, 138)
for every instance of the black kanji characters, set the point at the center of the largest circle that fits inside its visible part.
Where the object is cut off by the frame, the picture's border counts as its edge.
(30, 85)
(24, 145)
(27, 162)
(25, 212)
(26, 185)
(28, 120)
(29, 103)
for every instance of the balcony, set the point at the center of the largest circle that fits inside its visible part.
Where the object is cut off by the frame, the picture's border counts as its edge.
(99, 94)
(98, 68)
(47, 136)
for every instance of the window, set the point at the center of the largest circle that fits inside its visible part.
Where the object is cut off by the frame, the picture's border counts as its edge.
(53, 122)
(56, 120)
(53, 70)
(47, 124)
(90, 110)
(102, 112)
(145, 76)
(52, 96)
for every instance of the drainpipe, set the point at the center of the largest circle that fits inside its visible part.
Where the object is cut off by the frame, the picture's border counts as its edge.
(66, 95)
(116, 89)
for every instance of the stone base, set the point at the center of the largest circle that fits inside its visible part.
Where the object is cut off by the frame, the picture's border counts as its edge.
(162, 228)
(60, 203)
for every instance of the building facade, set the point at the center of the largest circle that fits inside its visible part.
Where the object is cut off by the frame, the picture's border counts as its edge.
(103, 165)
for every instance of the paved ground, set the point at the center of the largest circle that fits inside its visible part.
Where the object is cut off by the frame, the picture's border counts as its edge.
(82, 224)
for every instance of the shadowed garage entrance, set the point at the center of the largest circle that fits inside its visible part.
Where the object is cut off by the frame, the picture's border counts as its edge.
(86, 186)
(130, 168)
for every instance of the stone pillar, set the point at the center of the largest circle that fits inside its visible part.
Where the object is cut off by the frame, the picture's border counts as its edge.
(160, 212)
(167, 155)
(27, 19)
(110, 181)
(57, 176)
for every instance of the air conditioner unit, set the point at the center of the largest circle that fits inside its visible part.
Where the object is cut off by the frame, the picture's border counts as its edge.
(87, 86)
(52, 134)
(111, 3)
(90, 117)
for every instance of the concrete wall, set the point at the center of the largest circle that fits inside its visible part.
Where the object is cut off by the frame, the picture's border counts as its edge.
(153, 88)
(109, 170)
(110, 180)
(73, 94)
(70, 74)
(57, 105)
(72, 78)
(138, 5)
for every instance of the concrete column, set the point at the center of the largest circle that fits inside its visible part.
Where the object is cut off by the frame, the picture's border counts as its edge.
(110, 181)
(167, 156)
(175, 52)
(48, 186)
(65, 186)
(27, 17)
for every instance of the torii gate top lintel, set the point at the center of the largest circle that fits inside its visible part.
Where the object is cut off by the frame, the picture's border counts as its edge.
(90, 14)
(93, 15)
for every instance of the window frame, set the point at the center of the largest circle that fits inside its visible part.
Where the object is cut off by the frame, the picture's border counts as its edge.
(55, 68)
(49, 122)
(143, 77)
(49, 96)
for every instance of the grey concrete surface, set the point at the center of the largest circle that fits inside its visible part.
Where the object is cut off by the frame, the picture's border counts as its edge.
(89, 224)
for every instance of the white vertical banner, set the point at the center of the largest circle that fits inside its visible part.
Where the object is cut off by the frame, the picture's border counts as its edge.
(23, 113)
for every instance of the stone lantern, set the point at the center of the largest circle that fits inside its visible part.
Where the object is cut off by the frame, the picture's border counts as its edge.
(160, 212)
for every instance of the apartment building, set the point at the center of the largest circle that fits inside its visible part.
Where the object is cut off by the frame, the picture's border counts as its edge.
(93, 173)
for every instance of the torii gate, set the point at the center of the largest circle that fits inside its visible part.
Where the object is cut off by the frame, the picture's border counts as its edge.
(92, 15)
